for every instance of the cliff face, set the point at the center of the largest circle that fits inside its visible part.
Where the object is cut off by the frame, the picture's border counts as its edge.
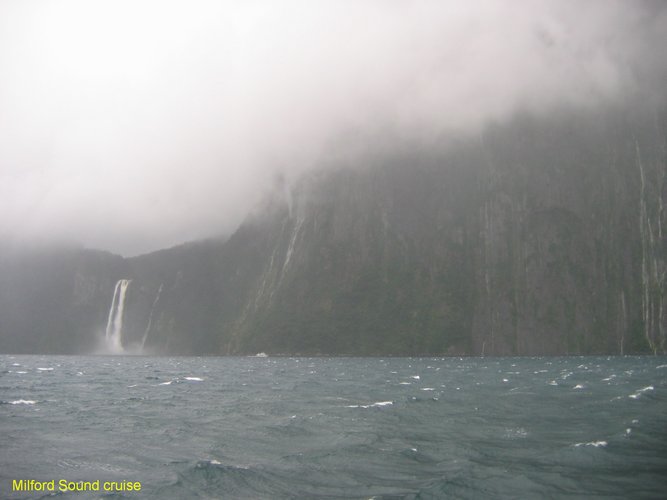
(55, 301)
(541, 236)
(570, 239)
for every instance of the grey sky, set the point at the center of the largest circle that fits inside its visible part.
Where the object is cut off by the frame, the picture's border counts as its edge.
(135, 125)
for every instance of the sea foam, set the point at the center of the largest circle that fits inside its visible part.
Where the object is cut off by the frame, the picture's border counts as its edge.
(595, 444)
(379, 404)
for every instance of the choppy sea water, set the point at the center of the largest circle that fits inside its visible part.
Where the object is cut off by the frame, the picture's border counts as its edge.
(273, 428)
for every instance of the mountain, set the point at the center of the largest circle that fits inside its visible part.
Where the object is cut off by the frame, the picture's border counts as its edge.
(540, 236)
(53, 300)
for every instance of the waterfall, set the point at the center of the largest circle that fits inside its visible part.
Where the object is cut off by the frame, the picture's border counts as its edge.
(290, 248)
(150, 317)
(114, 333)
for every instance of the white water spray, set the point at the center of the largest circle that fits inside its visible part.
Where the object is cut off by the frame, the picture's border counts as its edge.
(114, 333)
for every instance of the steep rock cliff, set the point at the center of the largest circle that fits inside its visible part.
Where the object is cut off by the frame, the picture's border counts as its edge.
(538, 236)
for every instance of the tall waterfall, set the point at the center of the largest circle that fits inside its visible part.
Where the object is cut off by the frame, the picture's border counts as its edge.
(114, 333)
(150, 317)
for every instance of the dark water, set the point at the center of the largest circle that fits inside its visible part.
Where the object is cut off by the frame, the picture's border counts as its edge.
(337, 428)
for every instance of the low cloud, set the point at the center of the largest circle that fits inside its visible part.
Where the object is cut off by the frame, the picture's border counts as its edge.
(135, 125)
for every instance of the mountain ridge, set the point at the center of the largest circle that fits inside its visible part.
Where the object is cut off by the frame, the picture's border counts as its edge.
(540, 236)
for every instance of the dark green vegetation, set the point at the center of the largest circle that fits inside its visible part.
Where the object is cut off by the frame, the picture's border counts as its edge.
(540, 236)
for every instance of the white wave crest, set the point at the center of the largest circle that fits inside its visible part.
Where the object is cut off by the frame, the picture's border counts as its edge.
(595, 444)
(640, 391)
(379, 404)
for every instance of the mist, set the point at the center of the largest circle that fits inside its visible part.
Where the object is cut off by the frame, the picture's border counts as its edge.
(132, 126)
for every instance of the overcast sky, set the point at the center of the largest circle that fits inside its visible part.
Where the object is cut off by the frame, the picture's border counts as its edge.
(135, 125)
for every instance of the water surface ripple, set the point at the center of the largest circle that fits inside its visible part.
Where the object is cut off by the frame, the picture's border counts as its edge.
(362, 428)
